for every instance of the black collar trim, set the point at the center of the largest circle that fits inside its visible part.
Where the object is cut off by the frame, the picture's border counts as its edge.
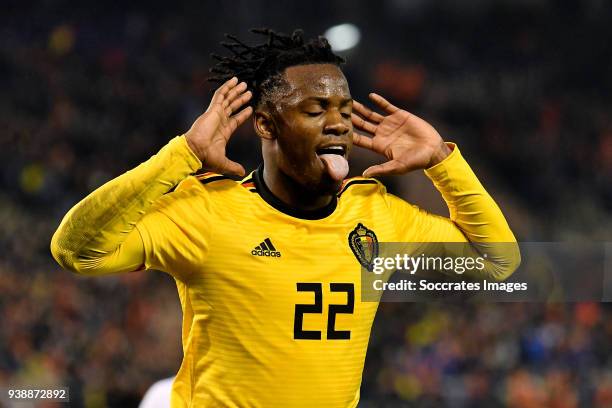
(275, 202)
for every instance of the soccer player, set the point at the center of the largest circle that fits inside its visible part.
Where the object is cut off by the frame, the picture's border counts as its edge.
(268, 268)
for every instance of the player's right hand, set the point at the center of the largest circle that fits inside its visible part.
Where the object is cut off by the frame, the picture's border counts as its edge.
(211, 131)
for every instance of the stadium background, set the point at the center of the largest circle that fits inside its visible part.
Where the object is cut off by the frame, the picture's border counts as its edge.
(524, 87)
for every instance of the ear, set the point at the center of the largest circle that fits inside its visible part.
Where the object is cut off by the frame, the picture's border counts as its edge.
(263, 124)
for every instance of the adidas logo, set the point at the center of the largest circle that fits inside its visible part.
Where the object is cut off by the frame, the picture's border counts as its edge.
(266, 249)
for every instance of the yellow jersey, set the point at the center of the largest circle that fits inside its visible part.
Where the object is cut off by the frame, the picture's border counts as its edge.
(272, 311)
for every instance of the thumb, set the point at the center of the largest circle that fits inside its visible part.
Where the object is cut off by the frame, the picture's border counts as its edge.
(231, 167)
(388, 168)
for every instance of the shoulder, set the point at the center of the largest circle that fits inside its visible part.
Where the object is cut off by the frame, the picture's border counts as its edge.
(361, 186)
(207, 184)
(205, 181)
(198, 192)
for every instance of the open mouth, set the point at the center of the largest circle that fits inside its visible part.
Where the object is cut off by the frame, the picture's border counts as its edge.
(339, 150)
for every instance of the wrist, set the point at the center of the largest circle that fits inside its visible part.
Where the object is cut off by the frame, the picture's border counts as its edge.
(193, 151)
(439, 154)
(194, 148)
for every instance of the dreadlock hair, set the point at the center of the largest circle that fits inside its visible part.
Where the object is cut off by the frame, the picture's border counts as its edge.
(262, 66)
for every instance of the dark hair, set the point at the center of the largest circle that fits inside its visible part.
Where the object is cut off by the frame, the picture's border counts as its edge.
(262, 66)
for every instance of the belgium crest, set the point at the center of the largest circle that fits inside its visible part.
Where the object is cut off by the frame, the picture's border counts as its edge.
(364, 244)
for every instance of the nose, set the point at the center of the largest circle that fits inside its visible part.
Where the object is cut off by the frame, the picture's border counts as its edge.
(335, 124)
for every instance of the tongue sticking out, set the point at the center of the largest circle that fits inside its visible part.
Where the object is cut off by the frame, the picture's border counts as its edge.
(337, 166)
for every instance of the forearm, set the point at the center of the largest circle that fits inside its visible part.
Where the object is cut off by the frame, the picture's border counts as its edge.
(90, 236)
(476, 214)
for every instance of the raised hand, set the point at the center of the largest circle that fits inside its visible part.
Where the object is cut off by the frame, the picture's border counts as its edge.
(212, 130)
(407, 141)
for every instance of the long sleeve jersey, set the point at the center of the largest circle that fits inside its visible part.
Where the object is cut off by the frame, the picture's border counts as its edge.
(270, 294)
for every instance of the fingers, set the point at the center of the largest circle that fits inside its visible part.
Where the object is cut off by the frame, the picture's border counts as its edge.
(362, 124)
(362, 141)
(383, 103)
(367, 112)
(220, 93)
(406, 161)
(231, 96)
(233, 93)
(239, 118)
(238, 102)
(231, 167)
(388, 168)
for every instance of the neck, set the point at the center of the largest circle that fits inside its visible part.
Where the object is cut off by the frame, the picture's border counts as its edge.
(291, 193)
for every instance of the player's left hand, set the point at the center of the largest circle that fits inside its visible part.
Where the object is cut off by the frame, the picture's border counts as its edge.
(407, 141)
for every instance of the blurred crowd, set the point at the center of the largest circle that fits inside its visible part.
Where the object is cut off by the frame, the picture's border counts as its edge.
(517, 355)
(524, 87)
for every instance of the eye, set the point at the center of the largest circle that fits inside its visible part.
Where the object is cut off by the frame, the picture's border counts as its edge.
(314, 114)
(345, 115)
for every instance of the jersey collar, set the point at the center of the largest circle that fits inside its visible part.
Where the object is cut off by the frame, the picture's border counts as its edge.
(275, 202)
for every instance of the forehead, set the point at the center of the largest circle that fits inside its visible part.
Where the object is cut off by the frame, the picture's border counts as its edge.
(316, 80)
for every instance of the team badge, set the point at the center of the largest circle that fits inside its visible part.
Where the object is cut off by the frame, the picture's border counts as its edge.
(364, 244)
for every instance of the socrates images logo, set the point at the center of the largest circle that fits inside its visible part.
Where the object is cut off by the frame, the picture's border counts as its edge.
(266, 249)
